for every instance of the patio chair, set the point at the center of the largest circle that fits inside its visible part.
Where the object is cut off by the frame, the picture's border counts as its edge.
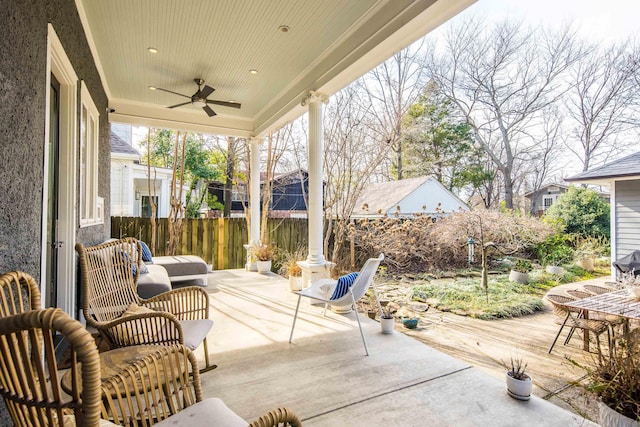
(572, 320)
(598, 289)
(323, 290)
(111, 304)
(177, 401)
(19, 292)
(29, 375)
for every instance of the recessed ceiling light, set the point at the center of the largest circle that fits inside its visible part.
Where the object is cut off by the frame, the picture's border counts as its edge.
(152, 50)
(284, 28)
(253, 71)
(152, 88)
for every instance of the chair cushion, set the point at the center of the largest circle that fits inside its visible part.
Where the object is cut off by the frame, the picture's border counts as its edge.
(137, 333)
(146, 252)
(195, 331)
(210, 412)
(155, 282)
(343, 285)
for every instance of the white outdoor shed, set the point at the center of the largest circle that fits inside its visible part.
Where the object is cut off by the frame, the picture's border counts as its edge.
(623, 178)
(407, 197)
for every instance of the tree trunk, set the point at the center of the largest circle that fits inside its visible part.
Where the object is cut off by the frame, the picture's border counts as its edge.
(228, 185)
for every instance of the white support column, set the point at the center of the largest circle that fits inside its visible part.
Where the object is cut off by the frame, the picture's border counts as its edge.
(316, 157)
(315, 267)
(254, 207)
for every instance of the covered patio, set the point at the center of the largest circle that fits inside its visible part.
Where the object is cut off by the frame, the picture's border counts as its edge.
(325, 377)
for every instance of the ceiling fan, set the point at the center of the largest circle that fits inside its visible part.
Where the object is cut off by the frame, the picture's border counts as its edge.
(200, 97)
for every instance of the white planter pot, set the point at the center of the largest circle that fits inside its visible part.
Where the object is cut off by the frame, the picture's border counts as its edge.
(553, 269)
(387, 325)
(263, 266)
(607, 417)
(295, 283)
(516, 276)
(519, 389)
(585, 263)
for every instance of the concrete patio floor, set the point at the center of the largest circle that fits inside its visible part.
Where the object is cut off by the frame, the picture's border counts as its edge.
(325, 377)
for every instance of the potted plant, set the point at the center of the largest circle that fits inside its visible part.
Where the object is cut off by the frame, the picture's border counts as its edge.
(520, 271)
(554, 260)
(586, 251)
(386, 320)
(616, 380)
(263, 255)
(295, 274)
(519, 383)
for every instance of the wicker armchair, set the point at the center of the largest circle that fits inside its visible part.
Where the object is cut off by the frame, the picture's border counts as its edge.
(27, 357)
(176, 397)
(572, 320)
(111, 304)
(19, 292)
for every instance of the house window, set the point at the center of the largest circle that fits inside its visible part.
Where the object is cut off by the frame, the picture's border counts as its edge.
(547, 201)
(90, 212)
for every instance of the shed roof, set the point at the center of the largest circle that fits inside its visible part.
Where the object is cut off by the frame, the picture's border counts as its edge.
(628, 166)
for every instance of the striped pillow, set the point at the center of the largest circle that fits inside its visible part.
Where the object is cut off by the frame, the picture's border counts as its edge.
(343, 285)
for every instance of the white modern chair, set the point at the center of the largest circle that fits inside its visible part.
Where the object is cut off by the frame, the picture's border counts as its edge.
(323, 290)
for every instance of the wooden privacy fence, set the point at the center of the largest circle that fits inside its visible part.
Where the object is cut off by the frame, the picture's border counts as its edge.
(219, 241)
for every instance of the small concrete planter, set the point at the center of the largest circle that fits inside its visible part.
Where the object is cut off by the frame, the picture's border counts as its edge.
(517, 277)
(295, 283)
(554, 269)
(263, 266)
(519, 389)
(607, 417)
(387, 325)
(586, 263)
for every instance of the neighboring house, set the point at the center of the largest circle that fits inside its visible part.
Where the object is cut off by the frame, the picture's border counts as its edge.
(407, 197)
(288, 195)
(541, 200)
(623, 178)
(129, 184)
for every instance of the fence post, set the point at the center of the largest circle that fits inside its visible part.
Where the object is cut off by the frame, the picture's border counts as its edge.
(221, 243)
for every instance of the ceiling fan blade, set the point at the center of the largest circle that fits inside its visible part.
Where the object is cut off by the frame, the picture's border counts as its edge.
(170, 91)
(180, 105)
(209, 111)
(206, 91)
(224, 103)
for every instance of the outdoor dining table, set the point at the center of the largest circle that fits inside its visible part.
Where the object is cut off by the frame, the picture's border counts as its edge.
(618, 303)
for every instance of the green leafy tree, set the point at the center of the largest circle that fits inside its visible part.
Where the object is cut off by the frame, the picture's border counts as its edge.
(440, 143)
(581, 211)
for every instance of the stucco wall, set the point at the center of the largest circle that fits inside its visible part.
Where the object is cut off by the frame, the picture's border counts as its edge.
(23, 43)
(23, 47)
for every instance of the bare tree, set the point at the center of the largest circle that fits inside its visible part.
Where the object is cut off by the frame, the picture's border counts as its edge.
(391, 88)
(502, 78)
(352, 155)
(176, 210)
(602, 103)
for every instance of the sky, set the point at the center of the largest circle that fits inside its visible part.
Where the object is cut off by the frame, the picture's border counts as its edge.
(596, 20)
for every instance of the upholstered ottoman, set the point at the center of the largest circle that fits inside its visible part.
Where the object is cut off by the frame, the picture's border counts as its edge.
(183, 267)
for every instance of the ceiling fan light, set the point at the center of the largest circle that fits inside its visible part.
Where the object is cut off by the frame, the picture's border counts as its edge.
(152, 50)
(152, 88)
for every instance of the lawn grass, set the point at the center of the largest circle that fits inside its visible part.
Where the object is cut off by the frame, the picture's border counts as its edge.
(503, 299)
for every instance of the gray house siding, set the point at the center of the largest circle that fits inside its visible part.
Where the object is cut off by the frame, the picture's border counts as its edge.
(627, 217)
(23, 43)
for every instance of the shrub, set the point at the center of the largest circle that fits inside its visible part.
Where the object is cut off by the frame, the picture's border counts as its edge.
(581, 211)
(555, 250)
(422, 244)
